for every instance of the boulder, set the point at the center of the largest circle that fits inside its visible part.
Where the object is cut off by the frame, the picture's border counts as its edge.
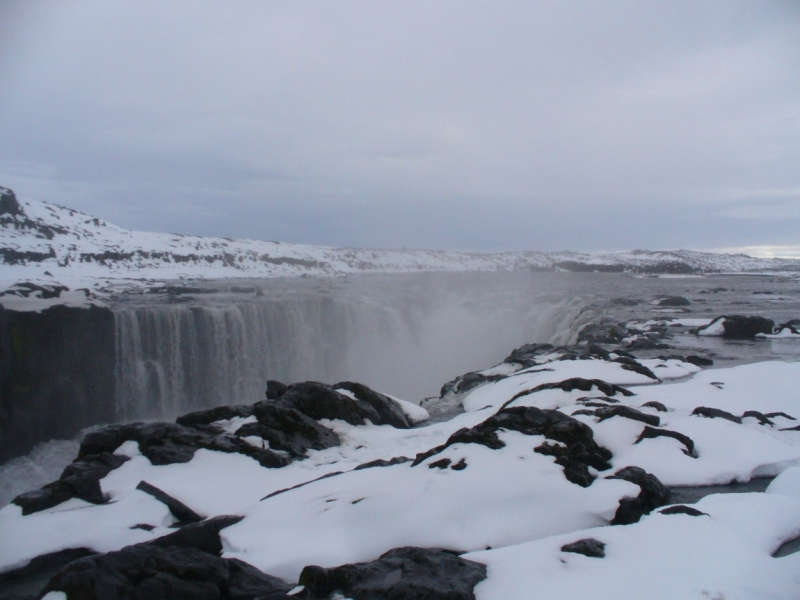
(400, 574)
(739, 327)
(469, 381)
(200, 536)
(288, 430)
(588, 547)
(526, 355)
(388, 410)
(320, 401)
(168, 573)
(674, 301)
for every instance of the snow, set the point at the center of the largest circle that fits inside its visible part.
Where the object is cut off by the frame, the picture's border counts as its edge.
(506, 496)
(784, 333)
(414, 412)
(723, 555)
(715, 328)
(787, 483)
(81, 250)
(512, 499)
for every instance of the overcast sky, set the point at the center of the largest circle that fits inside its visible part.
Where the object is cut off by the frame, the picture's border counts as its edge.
(437, 124)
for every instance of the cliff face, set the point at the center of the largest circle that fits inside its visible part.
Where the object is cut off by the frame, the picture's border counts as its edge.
(56, 374)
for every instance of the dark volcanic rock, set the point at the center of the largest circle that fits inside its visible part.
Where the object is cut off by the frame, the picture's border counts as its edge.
(168, 443)
(630, 364)
(653, 494)
(623, 411)
(762, 418)
(579, 452)
(699, 361)
(38, 571)
(469, 381)
(200, 536)
(288, 429)
(526, 355)
(81, 479)
(398, 460)
(651, 433)
(275, 389)
(595, 351)
(9, 205)
(576, 383)
(57, 374)
(400, 574)
(219, 413)
(680, 509)
(645, 344)
(178, 509)
(739, 327)
(389, 411)
(714, 413)
(150, 572)
(604, 332)
(674, 301)
(588, 547)
(657, 405)
(320, 401)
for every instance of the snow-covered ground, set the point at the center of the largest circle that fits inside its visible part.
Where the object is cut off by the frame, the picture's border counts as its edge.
(510, 506)
(47, 242)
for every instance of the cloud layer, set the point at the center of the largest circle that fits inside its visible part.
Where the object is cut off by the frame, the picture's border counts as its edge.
(463, 125)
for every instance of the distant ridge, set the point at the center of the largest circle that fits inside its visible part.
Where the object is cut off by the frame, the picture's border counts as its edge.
(37, 236)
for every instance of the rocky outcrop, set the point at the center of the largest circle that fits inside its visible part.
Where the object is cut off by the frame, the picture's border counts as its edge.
(56, 374)
(738, 327)
(652, 433)
(168, 573)
(653, 494)
(320, 401)
(400, 574)
(576, 452)
(81, 479)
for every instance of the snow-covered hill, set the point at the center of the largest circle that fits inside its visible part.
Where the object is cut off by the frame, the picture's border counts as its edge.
(38, 238)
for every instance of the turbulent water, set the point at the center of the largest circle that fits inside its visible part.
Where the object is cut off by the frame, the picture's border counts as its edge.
(402, 334)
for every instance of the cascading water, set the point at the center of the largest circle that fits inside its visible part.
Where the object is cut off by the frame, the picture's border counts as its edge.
(176, 358)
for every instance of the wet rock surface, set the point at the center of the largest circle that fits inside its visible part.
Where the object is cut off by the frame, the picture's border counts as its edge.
(400, 574)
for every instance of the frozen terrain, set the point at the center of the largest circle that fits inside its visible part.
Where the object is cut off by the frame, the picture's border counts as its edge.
(46, 242)
(524, 472)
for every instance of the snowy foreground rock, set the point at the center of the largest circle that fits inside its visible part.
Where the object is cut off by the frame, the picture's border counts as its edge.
(553, 482)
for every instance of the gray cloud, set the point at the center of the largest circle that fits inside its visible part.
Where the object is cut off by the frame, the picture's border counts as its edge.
(464, 124)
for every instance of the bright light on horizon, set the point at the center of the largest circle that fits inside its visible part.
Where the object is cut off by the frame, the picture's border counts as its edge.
(763, 251)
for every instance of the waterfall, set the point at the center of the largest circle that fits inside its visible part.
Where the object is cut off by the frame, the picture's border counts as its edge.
(176, 358)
